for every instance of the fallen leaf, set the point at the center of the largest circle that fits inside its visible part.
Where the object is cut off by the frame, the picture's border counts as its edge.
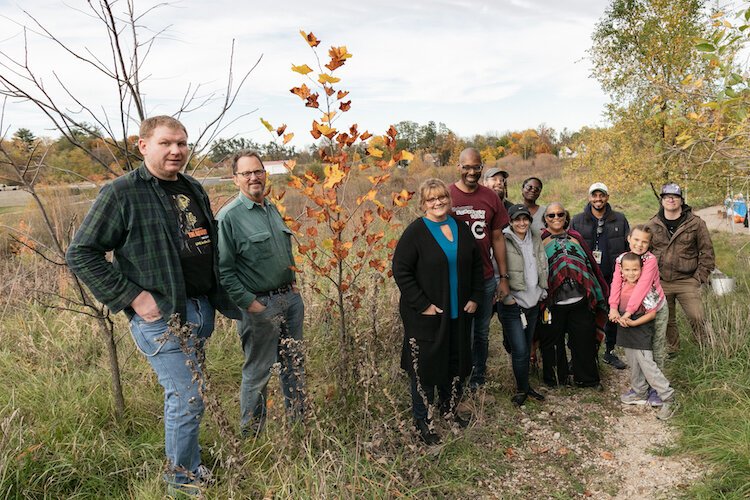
(563, 451)
(607, 455)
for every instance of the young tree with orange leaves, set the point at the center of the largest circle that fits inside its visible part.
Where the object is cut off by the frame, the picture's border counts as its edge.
(342, 230)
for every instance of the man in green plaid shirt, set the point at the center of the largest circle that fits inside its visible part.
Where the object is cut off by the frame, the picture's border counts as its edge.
(159, 225)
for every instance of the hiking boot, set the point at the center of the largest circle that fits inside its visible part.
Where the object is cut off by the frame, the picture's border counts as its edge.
(611, 359)
(654, 399)
(531, 392)
(518, 399)
(204, 476)
(633, 398)
(667, 410)
(427, 435)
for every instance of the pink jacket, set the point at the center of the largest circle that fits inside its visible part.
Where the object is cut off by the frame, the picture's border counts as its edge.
(648, 291)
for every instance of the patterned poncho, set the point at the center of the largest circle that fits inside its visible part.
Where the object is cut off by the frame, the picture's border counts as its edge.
(571, 260)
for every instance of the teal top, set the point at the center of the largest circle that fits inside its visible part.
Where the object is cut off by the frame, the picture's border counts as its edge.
(450, 249)
(255, 249)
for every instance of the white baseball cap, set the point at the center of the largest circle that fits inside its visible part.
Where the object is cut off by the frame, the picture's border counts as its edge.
(599, 186)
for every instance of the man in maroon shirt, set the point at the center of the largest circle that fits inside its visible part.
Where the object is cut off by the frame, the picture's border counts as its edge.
(482, 210)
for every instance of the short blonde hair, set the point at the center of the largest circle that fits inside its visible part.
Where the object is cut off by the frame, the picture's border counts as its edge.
(149, 125)
(430, 187)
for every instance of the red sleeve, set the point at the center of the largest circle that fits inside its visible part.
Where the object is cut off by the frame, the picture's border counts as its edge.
(616, 288)
(649, 273)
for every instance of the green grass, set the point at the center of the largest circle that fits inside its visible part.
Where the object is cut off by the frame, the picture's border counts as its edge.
(714, 387)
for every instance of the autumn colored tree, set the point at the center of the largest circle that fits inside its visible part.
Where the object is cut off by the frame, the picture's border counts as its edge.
(344, 233)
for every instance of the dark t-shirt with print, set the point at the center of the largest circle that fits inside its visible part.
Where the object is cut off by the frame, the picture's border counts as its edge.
(483, 212)
(196, 250)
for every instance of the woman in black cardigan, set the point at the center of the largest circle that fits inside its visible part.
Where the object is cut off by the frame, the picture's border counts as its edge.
(438, 269)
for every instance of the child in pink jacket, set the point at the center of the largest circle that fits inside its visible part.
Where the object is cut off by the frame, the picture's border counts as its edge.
(647, 290)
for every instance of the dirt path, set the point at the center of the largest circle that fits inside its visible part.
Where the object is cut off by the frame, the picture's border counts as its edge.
(584, 443)
(715, 220)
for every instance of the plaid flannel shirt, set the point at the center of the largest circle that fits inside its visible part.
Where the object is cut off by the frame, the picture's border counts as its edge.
(132, 217)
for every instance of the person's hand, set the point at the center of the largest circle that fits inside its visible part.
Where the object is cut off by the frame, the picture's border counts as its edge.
(503, 290)
(626, 315)
(623, 322)
(470, 307)
(432, 310)
(614, 315)
(256, 307)
(145, 306)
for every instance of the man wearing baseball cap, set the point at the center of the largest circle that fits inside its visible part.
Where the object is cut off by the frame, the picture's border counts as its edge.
(497, 180)
(605, 232)
(682, 244)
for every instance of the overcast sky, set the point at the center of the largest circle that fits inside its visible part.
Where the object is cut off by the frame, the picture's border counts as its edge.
(477, 66)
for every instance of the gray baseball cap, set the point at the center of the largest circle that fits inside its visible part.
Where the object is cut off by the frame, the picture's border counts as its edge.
(492, 172)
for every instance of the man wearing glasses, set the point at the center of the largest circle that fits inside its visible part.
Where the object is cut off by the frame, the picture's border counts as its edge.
(255, 265)
(605, 232)
(682, 244)
(482, 210)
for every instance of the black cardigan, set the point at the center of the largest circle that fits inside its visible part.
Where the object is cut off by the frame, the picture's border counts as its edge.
(420, 269)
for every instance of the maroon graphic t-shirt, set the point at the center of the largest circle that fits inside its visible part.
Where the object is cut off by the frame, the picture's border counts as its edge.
(483, 212)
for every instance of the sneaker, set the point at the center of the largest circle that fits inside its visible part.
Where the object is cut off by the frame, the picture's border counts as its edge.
(611, 359)
(427, 435)
(633, 398)
(203, 475)
(667, 410)
(653, 398)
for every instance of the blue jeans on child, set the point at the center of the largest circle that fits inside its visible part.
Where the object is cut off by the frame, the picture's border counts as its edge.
(183, 404)
(520, 338)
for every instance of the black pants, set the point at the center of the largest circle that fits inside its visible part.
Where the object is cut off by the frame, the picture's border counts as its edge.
(610, 332)
(578, 322)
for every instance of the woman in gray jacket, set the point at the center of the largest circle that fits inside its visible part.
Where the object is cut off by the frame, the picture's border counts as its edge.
(527, 270)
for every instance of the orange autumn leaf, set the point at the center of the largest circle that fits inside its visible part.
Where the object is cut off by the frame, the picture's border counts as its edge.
(377, 264)
(303, 91)
(327, 117)
(345, 106)
(365, 135)
(334, 175)
(607, 455)
(339, 55)
(369, 196)
(326, 78)
(373, 151)
(402, 199)
(302, 70)
(312, 101)
(392, 244)
(341, 94)
(315, 132)
(329, 90)
(392, 131)
(288, 137)
(312, 231)
(310, 38)
(290, 164)
(281, 129)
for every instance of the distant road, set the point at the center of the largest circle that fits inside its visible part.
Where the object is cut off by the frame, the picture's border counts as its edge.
(21, 198)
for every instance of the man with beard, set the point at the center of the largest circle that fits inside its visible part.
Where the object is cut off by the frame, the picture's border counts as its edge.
(605, 232)
(683, 247)
(481, 209)
(497, 180)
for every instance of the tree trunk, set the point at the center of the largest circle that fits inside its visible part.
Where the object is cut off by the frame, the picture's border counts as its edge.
(106, 328)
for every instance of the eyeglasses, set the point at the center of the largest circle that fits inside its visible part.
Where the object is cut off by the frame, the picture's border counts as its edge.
(442, 199)
(529, 187)
(472, 168)
(249, 173)
(558, 215)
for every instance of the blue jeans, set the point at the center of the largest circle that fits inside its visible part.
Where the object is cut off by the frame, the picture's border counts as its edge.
(183, 404)
(520, 340)
(274, 334)
(480, 333)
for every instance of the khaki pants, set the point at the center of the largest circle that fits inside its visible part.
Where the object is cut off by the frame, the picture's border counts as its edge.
(686, 291)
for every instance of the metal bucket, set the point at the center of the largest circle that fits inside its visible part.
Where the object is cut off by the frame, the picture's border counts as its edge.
(723, 285)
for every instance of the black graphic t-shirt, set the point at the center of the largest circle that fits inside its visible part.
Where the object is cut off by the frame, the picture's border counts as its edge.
(196, 251)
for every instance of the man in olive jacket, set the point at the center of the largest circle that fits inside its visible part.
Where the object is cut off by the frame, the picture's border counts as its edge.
(683, 247)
